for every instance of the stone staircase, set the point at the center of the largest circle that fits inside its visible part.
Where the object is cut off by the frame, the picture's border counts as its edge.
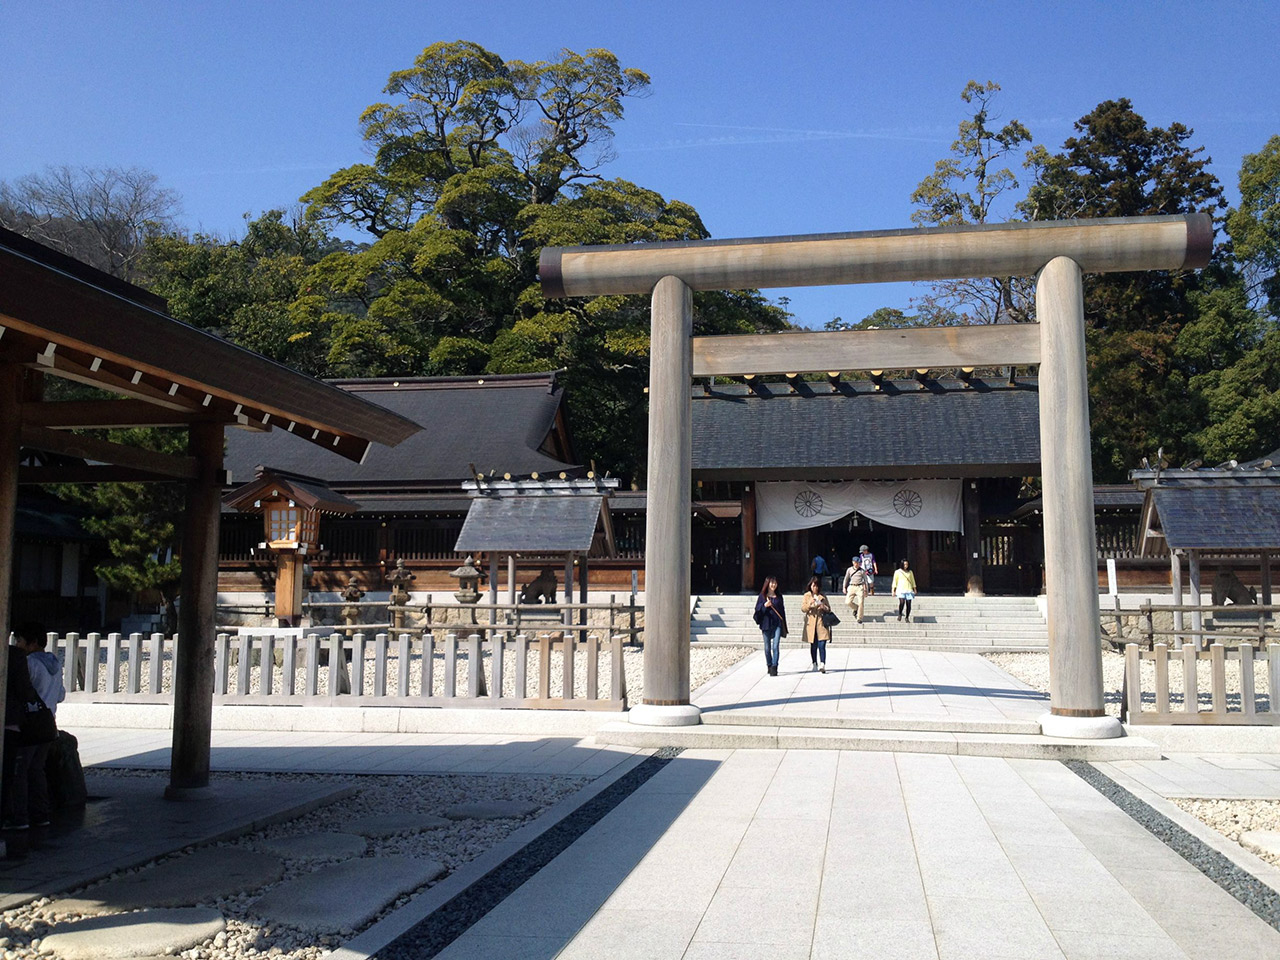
(941, 623)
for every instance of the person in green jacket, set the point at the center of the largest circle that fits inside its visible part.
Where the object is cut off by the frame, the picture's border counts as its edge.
(904, 588)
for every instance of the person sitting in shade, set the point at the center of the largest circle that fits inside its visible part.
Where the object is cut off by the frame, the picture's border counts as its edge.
(904, 588)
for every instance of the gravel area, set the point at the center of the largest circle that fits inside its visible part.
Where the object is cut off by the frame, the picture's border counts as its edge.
(22, 929)
(704, 664)
(1232, 818)
(1033, 670)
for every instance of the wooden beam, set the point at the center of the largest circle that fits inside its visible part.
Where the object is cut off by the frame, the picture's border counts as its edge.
(89, 473)
(988, 345)
(102, 414)
(940, 253)
(90, 448)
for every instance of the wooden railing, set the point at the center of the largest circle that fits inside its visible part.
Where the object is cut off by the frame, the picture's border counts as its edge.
(1234, 622)
(1244, 711)
(292, 666)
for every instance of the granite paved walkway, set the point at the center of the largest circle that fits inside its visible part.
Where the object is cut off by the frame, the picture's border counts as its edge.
(811, 854)
(870, 682)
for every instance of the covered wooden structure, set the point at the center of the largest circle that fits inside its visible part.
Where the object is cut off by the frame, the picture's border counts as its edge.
(59, 317)
(291, 506)
(539, 520)
(1228, 515)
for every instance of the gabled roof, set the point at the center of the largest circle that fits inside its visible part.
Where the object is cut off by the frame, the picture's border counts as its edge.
(933, 428)
(1224, 508)
(307, 492)
(530, 524)
(499, 423)
(1219, 518)
(80, 323)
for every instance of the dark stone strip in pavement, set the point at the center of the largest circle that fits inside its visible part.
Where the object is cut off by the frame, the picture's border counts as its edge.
(1237, 881)
(454, 918)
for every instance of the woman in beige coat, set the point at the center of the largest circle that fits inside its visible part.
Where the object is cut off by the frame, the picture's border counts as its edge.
(814, 604)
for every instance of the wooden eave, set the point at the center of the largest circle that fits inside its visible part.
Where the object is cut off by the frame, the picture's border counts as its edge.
(69, 320)
(311, 495)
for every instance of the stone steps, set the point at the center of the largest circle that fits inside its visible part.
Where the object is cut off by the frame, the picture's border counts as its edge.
(940, 623)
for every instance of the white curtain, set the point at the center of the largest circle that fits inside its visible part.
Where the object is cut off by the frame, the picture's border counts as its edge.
(909, 504)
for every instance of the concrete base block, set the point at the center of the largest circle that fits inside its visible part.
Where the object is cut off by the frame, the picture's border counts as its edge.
(651, 715)
(1080, 728)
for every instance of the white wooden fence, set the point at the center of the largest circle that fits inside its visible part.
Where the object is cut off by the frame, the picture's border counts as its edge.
(1241, 704)
(542, 672)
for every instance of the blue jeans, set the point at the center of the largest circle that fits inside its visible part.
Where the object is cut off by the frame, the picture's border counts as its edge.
(818, 649)
(772, 646)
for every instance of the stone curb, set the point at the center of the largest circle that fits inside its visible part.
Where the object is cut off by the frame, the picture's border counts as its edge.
(1260, 869)
(775, 737)
(322, 715)
(365, 946)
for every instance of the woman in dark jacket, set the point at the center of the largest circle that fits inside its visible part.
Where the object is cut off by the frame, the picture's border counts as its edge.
(771, 615)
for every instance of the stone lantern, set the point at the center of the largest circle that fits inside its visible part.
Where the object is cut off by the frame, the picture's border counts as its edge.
(468, 578)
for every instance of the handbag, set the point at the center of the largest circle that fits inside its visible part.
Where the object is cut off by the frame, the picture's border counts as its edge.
(37, 724)
(829, 619)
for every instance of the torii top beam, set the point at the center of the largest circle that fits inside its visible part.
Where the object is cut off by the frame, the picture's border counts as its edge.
(1180, 242)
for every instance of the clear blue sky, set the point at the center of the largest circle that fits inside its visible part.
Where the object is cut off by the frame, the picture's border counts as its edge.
(768, 117)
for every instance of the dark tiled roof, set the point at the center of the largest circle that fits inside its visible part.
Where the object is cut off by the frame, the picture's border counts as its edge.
(530, 524)
(1220, 517)
(1117, 495)
(943, 430)
(498, 425)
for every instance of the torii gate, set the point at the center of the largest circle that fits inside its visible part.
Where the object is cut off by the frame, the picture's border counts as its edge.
(1058, 252)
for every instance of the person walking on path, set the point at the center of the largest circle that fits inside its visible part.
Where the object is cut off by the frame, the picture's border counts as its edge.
(904, 588)
(855, 591)
(867, 561)
(814, 605)
(771, 618)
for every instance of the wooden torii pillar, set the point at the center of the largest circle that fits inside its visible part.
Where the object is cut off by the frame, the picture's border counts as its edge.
(1058, 253)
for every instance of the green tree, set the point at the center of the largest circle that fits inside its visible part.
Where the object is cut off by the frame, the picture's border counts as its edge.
(244, 290)
(967, 187)
(1118, 166)
(1254, 226)
(141, 523)
(477, 163)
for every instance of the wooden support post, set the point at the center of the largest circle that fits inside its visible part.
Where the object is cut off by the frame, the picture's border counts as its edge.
(511, 590)
(972, 539)
(1266, 578)
(193, 656)
(749, 539)
(1197, 617)
(567, 618)
(10, 431)
(493, 592)
(1175, 561)
(582, 590)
